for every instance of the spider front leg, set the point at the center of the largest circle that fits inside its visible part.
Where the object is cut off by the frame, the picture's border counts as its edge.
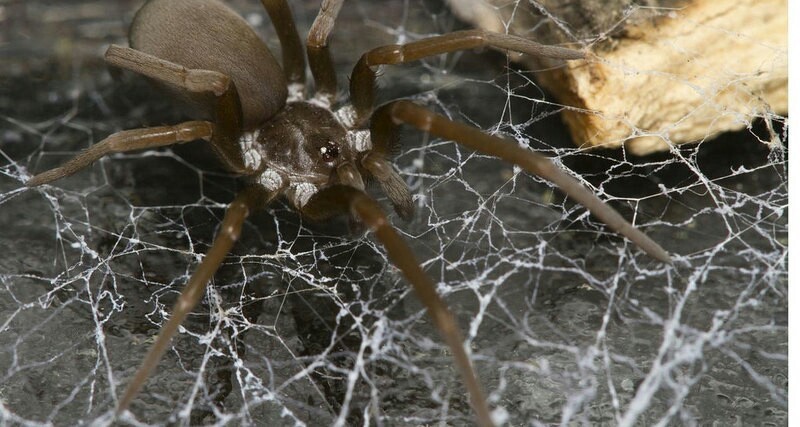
(319, 56)
(341, 199)
(294, 61)
(395, 113)
(362, 80)
(247, 201)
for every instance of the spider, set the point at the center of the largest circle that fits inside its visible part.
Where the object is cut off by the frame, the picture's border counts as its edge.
(315, 151)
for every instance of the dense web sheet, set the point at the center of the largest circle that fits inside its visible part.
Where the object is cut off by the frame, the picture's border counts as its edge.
(306, 324)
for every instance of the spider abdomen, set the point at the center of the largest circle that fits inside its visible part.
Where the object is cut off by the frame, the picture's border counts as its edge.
(209, 35)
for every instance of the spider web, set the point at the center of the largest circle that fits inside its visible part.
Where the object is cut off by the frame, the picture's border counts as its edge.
(306, 324)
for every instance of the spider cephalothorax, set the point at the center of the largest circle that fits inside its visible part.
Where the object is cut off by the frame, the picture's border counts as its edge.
(303, 149)
(315, 151)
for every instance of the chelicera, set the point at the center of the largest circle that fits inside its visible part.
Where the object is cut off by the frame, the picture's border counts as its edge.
(315, 151)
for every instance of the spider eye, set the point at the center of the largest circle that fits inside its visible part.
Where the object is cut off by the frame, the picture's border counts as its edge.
(329, 151)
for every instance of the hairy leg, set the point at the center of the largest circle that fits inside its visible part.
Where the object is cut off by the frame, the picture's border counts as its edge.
(392, 184)
(294, 61)
(393, 114)
(362, 80)
(248, 200)
(341, 199)
(128, 140)
(319, 57)
(348, 174)
(228, 109)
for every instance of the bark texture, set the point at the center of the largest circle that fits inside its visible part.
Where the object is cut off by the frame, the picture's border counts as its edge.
(662, 72)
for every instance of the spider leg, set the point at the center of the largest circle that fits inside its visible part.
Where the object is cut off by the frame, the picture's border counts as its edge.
(228, 108)
(128, 140)
(393, 186)
(319, 57)
(348, 175)
(376, 162)
(248, 200)
(341, 199)
(294, 62)
(362, 80)
(395, 113)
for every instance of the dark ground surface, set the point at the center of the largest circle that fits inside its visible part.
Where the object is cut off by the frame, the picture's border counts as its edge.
(569, 323)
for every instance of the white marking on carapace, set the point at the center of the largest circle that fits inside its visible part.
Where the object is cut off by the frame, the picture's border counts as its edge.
(271, 180)
(346, 116)
(250, 155)
(302, 192)
(360, 140)
(321, 100)
(296, 92)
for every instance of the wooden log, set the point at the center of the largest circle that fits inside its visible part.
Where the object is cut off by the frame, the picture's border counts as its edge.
(665, 73)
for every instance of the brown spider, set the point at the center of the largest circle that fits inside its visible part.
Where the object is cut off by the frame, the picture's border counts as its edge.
(264, 128)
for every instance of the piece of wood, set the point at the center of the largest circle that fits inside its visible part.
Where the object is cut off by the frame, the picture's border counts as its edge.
(665, 73)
